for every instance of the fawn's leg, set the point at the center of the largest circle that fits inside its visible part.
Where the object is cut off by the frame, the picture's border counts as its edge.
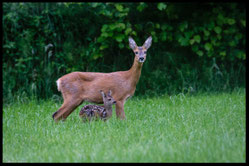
(120, 110)
(66, 109)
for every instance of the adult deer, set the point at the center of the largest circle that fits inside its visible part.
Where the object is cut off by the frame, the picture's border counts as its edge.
(77, 87)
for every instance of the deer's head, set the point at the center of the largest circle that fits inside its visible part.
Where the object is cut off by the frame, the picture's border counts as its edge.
(108, 99)
(140, 52)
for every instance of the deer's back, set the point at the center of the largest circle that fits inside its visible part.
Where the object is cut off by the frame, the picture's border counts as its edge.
(88, 85)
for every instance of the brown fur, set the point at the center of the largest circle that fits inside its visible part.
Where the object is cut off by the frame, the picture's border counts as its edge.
(95, 112)
(77, 87)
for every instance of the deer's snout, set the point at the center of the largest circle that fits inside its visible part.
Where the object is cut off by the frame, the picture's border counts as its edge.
(141, 59)
(114, 102)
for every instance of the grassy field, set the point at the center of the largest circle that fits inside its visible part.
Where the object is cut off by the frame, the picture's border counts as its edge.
(178, 128)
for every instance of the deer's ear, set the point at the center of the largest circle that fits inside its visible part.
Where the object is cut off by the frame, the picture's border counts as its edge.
(109, 93)
(132, 43)
(102, 93)
(147, 43)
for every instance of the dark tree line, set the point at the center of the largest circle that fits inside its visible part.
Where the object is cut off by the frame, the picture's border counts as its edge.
(196, 46)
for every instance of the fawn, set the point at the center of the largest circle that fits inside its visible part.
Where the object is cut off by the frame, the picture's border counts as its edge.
(95, 112)
(77, 87)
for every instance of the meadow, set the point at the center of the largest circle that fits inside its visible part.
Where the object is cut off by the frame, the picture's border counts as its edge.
(205, 127)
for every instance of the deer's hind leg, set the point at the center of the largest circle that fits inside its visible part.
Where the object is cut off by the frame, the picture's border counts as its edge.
(67, 108)
(71, 93)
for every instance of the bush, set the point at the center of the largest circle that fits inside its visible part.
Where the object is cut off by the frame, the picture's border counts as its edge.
(196, 46)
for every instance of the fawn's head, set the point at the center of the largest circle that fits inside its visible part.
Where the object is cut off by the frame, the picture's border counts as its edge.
(140, 52)
(108, 99)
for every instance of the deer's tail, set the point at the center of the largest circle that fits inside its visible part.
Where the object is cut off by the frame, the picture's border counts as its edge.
(58, 82)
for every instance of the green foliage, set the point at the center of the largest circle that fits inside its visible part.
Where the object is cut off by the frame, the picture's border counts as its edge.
(161, 6)
(43, 41)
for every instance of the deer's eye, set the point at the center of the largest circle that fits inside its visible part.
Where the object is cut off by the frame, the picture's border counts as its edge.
(144, 52)
(136, 52)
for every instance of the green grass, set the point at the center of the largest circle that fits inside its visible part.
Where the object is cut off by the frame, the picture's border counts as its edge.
(178, 128)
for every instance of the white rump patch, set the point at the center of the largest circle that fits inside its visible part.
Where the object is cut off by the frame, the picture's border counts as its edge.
(58, 82)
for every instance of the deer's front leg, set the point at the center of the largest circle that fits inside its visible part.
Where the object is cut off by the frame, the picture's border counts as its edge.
(120, 110)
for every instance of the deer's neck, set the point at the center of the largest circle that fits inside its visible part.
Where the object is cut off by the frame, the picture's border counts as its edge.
(135, 72)
(108, 109)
